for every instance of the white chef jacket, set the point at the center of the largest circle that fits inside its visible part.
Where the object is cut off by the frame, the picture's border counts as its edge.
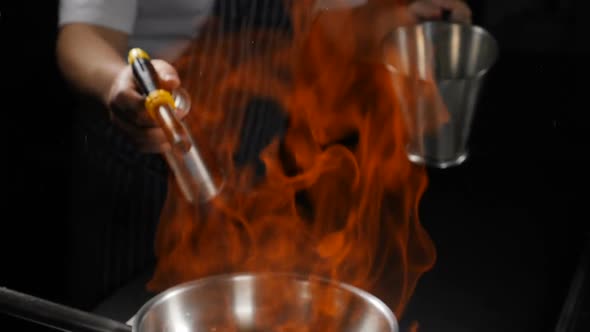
(160, 27)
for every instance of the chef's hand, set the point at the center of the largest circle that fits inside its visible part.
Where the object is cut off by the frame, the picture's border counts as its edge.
(127, 109)
(433, 10)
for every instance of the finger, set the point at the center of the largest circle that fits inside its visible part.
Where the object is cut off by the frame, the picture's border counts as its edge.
(153, 148)
(129, 99)
(460, 11)
(147, 140)
(447, 4)
(425, 10)
(129, 105)
(167, 75)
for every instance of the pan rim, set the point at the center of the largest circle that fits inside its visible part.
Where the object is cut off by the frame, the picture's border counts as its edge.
(162, 297)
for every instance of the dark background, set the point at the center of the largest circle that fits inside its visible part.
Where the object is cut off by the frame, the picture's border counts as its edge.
(509, 224)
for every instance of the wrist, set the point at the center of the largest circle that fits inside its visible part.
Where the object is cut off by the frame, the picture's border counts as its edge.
(108, 78)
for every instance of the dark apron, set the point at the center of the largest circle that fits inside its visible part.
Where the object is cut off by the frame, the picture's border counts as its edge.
(116, 197)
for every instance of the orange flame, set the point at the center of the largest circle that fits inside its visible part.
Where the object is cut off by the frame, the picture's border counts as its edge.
(339, 197)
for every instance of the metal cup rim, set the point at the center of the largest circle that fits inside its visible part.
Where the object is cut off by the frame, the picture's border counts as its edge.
(476, 28)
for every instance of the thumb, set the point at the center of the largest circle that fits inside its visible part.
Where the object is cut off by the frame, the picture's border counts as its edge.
(167, 75)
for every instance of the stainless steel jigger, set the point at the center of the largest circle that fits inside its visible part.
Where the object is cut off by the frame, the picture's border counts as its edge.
(437, 70)
(194, 168)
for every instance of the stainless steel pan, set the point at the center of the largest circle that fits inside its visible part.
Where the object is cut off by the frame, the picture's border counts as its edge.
(224, 303)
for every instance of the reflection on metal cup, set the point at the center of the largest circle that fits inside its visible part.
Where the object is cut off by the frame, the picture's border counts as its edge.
(437, 70)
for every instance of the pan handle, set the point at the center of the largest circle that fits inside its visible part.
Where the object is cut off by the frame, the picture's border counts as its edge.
(55, 315)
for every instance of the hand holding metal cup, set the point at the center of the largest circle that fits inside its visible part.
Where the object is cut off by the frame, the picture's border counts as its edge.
(437, 70)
